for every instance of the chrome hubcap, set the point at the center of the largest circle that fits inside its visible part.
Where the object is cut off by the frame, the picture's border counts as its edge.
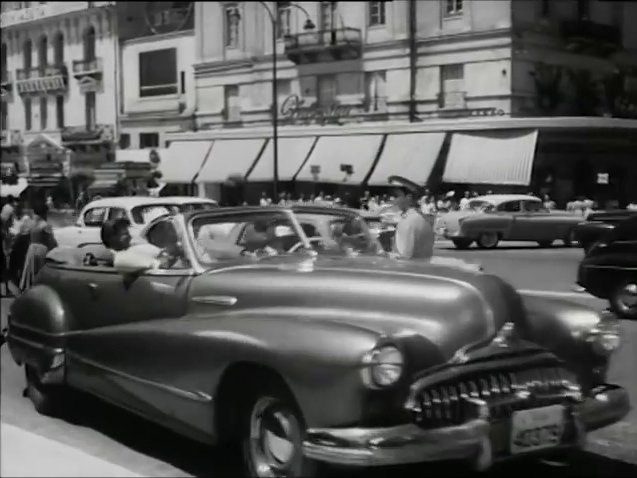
(627, 298)
(275, 438)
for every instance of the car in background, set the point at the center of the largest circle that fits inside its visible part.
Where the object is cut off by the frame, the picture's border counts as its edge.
(609, 270)
(139, 210)
(599, 225)
(507, 217)
(289, 332)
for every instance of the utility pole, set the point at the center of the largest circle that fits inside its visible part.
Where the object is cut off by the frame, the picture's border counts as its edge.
(413, 56)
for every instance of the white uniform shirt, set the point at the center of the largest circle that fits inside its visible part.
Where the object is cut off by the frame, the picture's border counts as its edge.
(137, 258)
(414, 237)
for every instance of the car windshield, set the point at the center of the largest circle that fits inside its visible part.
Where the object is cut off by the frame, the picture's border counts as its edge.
(269, 233)
(146, 213)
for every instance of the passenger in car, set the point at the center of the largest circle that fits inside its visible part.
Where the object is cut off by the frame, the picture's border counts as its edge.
(126, 258)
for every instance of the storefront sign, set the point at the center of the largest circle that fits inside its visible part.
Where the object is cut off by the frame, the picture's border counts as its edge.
(294, 110)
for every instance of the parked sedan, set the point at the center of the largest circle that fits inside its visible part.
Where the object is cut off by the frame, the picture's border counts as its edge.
(508, 217)
(599, 225)
(316, 350)
(139, 210)
(609, 270)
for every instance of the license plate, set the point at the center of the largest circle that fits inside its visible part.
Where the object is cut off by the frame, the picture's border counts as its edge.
(536, 429)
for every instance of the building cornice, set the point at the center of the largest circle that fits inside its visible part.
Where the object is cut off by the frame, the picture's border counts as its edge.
(211, 68)
(450, 38)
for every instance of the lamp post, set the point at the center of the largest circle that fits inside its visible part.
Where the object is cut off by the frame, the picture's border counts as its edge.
(309, 25)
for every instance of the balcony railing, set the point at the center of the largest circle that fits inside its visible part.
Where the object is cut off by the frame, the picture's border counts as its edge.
(42, 79)
(584, 33)
(324, 45)
(87, 67)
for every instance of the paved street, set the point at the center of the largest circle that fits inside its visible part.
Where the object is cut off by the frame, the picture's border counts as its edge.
(144, 449)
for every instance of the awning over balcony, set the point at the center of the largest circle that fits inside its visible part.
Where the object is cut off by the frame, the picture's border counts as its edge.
(494, 157)
(14, 190)
(410, 155)
(183, 160)
(333, 154)
(230, 157)
(292, 154)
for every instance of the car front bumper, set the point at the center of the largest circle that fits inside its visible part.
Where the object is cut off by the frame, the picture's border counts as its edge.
(409, 443)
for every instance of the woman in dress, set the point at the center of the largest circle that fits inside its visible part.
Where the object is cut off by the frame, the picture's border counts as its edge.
(42, 241)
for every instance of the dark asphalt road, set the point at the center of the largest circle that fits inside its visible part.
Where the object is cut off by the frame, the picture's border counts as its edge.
(146, 449)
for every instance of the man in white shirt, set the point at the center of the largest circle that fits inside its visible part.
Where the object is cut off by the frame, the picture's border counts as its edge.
(126, 258)
(414, 237)
(464, 202)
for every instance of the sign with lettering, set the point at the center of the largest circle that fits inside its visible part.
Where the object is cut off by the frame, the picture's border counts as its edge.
(294, 111)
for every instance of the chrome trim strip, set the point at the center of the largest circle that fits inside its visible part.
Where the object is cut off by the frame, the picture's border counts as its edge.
(592, 266)
(215, 300)
(196, 395)
(36, 345)
(42, 332)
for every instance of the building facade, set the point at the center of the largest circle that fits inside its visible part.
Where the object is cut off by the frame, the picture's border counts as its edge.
(157, 54)
(58, 66)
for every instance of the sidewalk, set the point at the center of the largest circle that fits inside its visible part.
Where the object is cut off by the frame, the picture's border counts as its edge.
(27, 454)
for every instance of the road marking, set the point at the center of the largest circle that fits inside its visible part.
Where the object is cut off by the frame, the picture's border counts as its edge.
(551, 293)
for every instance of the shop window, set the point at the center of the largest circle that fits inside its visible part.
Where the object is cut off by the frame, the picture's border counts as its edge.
(89, 110)
(44, 112)
(94, 217)
(453, 7)
(284, 11)
(158, 73)
(58, 49)
(375, 91)
(148, 140)
(377, 13)
(124, 141)
(27, 114)
(59, 111)
(231, 26)
(327, 90)
(232, 104)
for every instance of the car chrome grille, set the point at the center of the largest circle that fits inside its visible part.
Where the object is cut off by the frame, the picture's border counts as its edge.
(445, 403)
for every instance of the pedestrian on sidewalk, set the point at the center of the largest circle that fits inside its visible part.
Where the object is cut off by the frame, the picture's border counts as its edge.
(414, 237)
(42, 241)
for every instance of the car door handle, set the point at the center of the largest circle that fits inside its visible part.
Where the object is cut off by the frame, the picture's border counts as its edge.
(93, 288)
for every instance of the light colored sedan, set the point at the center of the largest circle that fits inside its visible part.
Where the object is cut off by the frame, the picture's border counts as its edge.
(139, 210)
(507, 217)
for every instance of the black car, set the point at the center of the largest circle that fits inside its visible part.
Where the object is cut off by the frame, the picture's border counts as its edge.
(609, 270)
(598, 226)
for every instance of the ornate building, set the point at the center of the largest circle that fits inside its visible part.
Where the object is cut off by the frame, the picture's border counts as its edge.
(58, 78)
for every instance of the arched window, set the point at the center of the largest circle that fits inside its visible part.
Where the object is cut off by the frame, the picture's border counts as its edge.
(58, 49)
(43, 51)
(27, 52)
(89, 43)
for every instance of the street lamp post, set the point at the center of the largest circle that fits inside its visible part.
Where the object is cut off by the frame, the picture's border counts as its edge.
(309, 25)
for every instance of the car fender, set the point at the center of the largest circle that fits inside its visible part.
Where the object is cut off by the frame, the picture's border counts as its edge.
(38, 322)
(473, 226)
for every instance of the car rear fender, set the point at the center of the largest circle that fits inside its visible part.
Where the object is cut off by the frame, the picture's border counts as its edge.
(37, 324)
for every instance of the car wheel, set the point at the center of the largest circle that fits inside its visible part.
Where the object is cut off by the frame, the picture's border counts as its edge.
(462, 243)
(47, 399)
(545, 243)
(488, 240)
(570, 240)
(624, 300)
(272, 438)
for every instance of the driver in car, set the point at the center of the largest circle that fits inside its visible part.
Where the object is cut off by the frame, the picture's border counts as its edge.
(129, 258)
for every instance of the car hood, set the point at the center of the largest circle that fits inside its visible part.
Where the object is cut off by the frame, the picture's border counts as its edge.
(449, 307)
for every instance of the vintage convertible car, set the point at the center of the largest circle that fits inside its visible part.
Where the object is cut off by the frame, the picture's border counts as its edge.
(289, 330)
(598, 226)
(508, 217)
(609, 270)
(139, 210)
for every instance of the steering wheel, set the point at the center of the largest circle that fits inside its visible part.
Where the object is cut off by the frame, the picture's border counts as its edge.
(313, 240)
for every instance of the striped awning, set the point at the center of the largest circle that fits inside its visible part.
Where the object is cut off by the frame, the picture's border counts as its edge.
(45, 181)
(332, 153)
(292, 152)
(411, 155)
(230, 157)
(14, 190)
(494, 157)
(183, 160)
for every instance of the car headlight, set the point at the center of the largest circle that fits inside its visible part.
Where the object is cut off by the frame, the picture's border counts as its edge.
(605, 337)
(382, 367)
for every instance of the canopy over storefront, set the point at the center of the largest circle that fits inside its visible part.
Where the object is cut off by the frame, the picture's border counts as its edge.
(341, 159)
(228, 158)
(412, 155)
(183, 160)
(14, 190)
(491, 157)
(292, 153)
